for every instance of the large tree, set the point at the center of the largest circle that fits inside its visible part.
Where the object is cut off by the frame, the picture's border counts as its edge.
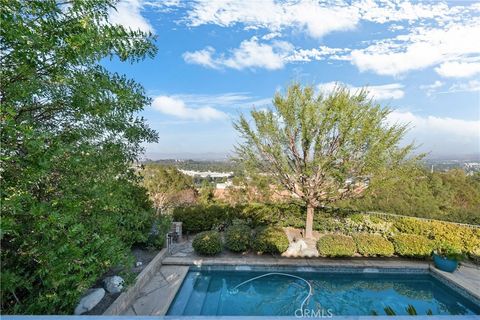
(70, 131)
(322, 148)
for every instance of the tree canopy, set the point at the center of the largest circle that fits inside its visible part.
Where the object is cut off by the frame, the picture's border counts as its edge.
(167, 186)
(71, 203)
(322, 148)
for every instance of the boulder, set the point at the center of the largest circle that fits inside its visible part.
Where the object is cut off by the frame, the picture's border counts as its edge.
(305, 248)
(89, 300)
(113, 284)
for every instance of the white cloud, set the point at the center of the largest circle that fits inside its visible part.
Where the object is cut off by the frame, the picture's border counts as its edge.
(202, 57)
(320, 53)
(229, 99)
(271, 35)
(395, 11)
(250, 54)
(432, 88)
(317, 18)
(379, 92)
(470, 86)
(313, 17)
(176, 107)
(128, 13)
(423, 47)
(457, 69)
(441, 135)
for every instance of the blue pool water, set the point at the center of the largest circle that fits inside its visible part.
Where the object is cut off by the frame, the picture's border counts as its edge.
(252, 293)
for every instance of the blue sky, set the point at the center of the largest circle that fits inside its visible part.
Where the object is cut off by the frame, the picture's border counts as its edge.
(217, 59)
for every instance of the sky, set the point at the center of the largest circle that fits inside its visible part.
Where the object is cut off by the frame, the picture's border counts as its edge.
(218, 59)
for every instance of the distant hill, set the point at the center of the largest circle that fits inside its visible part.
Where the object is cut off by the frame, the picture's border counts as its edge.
(206, 156)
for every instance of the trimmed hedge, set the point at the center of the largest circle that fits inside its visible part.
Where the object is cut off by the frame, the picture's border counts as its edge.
(336, 245)
(238, 238)
(373, 245)
(208, 243)
(270, 240)
(412, 245)
(204, 217)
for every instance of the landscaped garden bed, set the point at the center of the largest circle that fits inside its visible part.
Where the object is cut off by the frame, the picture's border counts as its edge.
(339, 234)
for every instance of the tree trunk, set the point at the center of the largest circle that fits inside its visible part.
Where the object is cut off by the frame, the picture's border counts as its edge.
(309, 222)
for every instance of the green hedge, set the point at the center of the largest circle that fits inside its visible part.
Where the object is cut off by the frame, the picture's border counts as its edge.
(413, 226)
(373, 245)
(336, 245)
(270, 240)
(206, 217)
(411, 245)
(203, 218)
(238, 238)
(208, 243)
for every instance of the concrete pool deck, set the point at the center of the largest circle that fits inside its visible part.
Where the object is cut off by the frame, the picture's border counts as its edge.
(156, 296)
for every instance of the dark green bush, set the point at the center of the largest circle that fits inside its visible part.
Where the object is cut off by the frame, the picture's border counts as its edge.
(208, 243)
(270, 240)
(412, 245)
(238, 238)
(373, 245)
(273, 214)
(336, 245)
(161, 227)
(204, 217)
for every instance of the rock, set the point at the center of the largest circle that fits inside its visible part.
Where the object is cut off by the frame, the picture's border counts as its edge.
(302, 248)
(138, 264)
(89, 300)
(113, 284)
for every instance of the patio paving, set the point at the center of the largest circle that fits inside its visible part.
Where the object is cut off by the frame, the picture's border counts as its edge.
(157, 295)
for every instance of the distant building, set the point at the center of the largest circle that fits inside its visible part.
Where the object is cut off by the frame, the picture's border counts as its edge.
(205, 174)
(223, 186)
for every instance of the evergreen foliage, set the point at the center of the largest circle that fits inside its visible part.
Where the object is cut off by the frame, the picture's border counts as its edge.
(320, 148)
(71, 202)
(208, 243)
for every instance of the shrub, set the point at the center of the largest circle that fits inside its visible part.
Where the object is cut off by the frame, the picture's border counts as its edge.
(270, 240)
(208, 243)
(273, 214)
(373, 245)
(326, 223)
(454, 235)
(448, 251)
(413, 226)
(204, 217)
(157, 236)
(336, 245)
(412, 245)
(238, 238)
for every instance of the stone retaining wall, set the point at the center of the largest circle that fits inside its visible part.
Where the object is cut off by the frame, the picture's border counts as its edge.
(127, 297)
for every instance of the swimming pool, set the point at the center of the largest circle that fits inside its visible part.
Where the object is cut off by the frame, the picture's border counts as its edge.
(316, 294)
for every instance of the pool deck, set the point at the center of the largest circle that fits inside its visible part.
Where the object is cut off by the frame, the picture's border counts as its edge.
(157, 295)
